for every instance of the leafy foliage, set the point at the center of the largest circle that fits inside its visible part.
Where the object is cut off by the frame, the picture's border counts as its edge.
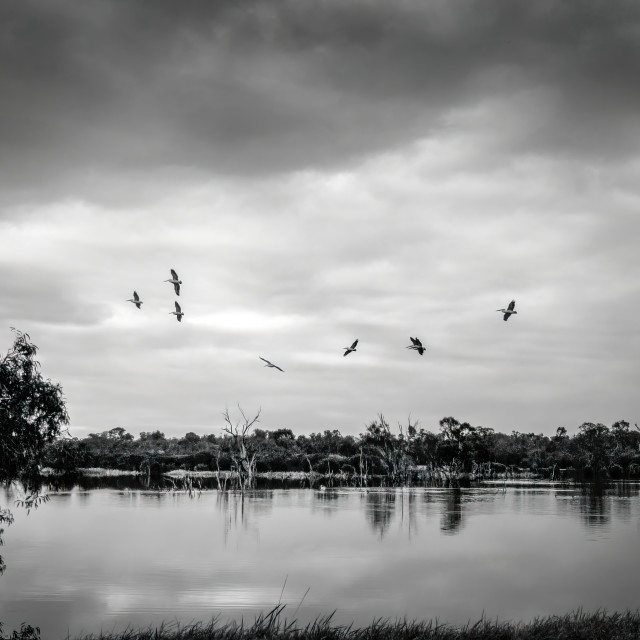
(5, 518)
(32, 413)
(27, 632)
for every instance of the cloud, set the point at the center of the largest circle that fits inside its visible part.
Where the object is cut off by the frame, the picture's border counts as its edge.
(316, 173)
(112, 94)
(299, 266)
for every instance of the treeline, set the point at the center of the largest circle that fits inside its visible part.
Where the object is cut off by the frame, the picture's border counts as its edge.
(399, 456)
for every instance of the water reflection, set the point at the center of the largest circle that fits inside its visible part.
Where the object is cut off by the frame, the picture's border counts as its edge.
(384, 507)
(409, 510)
(324, 496)
(418, 552)
(594, 503)
(598, 503)
(594, 506)
(451, 520)
(380, 508)
(232, 508)
(242, 512)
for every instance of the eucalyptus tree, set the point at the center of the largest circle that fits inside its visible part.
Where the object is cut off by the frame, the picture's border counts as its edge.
(626, 447)
(32, 415)
(595, 445)
(456, 445)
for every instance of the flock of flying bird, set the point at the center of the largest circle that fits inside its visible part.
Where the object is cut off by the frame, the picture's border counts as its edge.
(176, 282)
(416, 345)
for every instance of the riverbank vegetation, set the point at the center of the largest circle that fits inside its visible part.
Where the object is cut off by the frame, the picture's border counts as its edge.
(32, 416)
(456, 453)
(574, 626)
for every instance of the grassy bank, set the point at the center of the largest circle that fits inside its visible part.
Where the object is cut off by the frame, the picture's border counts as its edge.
(272, 626)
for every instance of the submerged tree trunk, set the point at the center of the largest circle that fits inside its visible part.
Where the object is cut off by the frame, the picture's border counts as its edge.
(244, 461)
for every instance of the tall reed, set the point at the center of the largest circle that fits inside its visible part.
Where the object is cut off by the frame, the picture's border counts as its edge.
(272, 625)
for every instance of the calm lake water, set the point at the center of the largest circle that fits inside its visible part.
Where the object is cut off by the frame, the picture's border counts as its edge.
(108, 558)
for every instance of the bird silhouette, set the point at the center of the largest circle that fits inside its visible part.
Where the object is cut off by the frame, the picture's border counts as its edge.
(417, 345)
(136, 300)
(509, 310)
(270, 364)
(178, 313)
(175, 281)
(351, 348)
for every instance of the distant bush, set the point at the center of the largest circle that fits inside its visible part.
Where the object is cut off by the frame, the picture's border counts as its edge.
(459, 449)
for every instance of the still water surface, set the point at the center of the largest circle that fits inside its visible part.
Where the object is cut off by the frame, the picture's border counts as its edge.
(107, 558)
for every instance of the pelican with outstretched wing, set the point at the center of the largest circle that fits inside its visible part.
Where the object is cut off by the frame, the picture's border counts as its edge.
(351, 348)
(416, 345)
(136, 300)
(510, 310)
(175, 281)
(178, 313)
(270, 364)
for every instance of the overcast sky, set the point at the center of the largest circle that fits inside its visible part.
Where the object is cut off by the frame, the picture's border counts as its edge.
(317, 172)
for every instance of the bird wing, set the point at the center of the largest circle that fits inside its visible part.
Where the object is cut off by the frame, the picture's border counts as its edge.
(421, 350)
(174, 275)
(506, 316)
(512, 305)
(417, 342)
(176, 287)
(354, 345)
(178, 309)
(270, 364)
(413, 340)
(135, 296)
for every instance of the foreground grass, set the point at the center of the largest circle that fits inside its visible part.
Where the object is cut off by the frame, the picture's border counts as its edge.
(272, 626)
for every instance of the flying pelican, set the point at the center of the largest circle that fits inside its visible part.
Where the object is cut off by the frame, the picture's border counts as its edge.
(175, 281)
(509, 310)
(177, 313)
(351, 348)
(417, 345)
(136, 300)
(270, 364)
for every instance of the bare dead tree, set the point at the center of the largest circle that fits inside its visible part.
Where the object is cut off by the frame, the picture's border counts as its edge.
(245, 456)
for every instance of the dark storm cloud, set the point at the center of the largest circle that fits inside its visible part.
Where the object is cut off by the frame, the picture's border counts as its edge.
(98, 90)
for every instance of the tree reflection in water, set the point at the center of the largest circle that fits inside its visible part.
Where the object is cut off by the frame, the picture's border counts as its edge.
(451, 520)
(595, 506)
(409, 511)
(596, 502)
(242, 511)
(380, 507)
(233, 507)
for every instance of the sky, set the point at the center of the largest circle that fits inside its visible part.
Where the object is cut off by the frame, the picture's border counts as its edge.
(317, 172)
